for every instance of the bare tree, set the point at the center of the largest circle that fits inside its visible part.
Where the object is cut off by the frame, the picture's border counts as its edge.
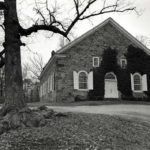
(14, 98)
(25, 70)
(35, 66)
(144, 40)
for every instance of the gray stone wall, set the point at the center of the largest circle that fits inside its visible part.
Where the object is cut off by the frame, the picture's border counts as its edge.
(79, 57)
(49, 96)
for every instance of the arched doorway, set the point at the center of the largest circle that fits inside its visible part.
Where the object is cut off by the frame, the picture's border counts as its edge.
(111, 89)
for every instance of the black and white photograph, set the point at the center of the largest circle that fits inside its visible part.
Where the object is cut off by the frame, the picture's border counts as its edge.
(74, 75)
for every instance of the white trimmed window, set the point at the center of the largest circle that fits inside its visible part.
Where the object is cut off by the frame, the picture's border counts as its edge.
(123, 63)
(83, 80)
(96, 61)
(138, 82)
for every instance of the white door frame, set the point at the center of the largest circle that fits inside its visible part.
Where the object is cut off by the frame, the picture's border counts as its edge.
(111, 86)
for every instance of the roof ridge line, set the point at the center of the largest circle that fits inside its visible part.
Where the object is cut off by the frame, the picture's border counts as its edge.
(120, 28)
(84, 35)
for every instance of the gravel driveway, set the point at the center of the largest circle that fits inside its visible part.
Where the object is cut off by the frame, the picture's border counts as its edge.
(129, 111)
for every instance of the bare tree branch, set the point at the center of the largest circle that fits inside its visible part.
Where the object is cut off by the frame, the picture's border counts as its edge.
(107, 9)
(2, 62)
(77, 18)
(104, 12)
(35, 28)
(35, 66)
(2, 52)
(76, 3)
(2, 26)
(144, 40)
(81, 8)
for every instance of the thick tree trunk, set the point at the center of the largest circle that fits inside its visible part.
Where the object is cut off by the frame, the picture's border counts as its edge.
(14, 113)
(13, 75)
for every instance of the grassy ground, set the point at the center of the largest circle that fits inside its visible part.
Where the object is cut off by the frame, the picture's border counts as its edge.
(88, 103)
(81, 132)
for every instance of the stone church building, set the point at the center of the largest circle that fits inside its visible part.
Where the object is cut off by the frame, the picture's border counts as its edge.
(81, 70)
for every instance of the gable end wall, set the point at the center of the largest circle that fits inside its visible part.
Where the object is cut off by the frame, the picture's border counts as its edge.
(79, 57)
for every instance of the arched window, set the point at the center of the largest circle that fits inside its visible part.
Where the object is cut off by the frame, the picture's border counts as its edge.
(137, 81)
(83, 80)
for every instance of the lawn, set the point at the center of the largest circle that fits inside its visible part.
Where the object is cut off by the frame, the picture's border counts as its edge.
(81, 131)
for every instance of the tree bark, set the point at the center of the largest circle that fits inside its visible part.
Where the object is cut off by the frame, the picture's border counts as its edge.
(13, 74)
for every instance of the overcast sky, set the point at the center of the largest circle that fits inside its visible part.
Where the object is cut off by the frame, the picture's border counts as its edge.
(136, 25)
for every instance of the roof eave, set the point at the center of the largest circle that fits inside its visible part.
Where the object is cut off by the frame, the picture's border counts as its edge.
(51, 62)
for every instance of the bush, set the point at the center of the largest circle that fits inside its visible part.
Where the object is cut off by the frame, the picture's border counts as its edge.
(43, 107)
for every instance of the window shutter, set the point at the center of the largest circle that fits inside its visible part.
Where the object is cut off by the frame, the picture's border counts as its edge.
(48, 85)
(75, 80)
(45, 88)
(40, 91)
(51, 82)
(132, 83)
(90, 81)
(144, 82)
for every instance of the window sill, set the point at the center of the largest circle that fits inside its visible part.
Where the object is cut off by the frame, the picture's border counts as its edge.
(137, 91)
(83, 90)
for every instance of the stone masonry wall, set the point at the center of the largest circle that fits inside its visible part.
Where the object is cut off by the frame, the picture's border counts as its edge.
(79, 57)
(49, 96)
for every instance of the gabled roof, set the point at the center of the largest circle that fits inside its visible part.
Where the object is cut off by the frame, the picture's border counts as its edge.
(115, 24)
(98, 27)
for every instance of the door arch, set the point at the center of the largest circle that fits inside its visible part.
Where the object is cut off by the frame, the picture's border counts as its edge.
(111, 88)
